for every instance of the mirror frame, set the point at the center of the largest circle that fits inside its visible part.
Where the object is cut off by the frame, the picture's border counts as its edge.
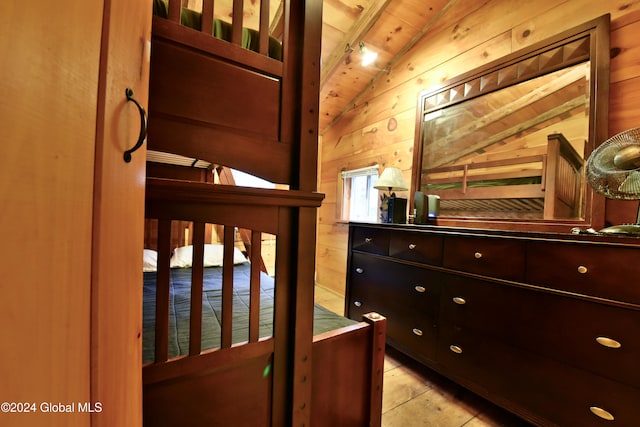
(517, 67)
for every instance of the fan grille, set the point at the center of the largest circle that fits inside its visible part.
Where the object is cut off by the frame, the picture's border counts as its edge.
(608, 179)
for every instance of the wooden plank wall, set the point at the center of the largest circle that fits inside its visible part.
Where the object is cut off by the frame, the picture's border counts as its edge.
(380, 128)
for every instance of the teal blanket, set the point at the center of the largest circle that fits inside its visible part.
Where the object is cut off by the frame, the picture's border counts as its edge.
(221, 29)
(180, 304)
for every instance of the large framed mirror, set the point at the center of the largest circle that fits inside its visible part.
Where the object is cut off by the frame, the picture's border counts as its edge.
(504, 146)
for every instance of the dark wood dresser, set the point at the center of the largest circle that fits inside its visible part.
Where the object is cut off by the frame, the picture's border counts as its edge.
(544, 325)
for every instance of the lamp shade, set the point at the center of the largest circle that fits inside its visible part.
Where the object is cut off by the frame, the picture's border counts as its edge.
(392, 180)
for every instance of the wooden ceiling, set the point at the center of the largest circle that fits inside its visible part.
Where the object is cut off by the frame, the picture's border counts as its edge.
(388, 27)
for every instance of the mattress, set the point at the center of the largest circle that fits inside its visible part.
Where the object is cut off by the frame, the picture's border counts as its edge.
(179, 310)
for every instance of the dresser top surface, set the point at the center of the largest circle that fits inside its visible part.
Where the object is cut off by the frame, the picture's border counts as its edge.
(587, 238)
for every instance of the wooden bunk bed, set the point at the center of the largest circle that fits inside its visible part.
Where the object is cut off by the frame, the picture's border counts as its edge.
(214, 100)
(546, 186)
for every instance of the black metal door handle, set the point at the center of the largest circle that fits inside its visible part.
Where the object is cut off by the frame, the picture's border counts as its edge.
(143, 126)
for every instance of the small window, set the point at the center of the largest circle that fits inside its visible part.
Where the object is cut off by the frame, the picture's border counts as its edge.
(359, 198)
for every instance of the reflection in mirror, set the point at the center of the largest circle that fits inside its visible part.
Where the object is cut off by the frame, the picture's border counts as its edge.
(490, 156)
(504, 146)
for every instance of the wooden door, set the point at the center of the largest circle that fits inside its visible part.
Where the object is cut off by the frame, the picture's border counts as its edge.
(118, 221)
(49, 82)
(72, 214)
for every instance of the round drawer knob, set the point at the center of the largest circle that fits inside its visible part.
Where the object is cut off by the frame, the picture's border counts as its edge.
(359, 270)
(420, 288)
(602, 413)
(459, 300)
(368, 239)
(357, 303)
(608, 342)
(412, 246)
(582, 269)
(477, 255)
(417, 332)
(456, 349)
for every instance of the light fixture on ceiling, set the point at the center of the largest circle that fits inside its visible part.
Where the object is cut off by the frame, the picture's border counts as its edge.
(367, 56)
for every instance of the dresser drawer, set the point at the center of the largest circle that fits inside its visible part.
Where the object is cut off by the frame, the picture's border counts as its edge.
(407, 296)
(607, 272)
(501, 258)
(595, 337)
(536, 386)
(418, 247)
(412, 332)
(394, 285)
(372, 240)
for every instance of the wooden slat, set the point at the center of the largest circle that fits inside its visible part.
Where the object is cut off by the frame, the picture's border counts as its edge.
(197, 273)
(254, 297)
(162, 291)
(236, 22)
(227, 287)
(263, 34)
(282, 328)
(174, 10)
(490, 164)
(207, 16)
(378, 340)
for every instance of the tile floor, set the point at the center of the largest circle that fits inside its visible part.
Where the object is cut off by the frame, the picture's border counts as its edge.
(416, 396)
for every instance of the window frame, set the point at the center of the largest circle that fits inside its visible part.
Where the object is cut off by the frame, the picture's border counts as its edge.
(343, 200)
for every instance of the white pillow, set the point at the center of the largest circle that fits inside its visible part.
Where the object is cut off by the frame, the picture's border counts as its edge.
(213, 255)
(149, 260)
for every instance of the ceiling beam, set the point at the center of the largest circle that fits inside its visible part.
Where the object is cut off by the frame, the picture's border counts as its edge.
(367, 18)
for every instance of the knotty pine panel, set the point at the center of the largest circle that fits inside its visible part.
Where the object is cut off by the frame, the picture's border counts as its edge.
(334, 235)
(393, 129)
(408, 11)
(331, 269)
(394, 154)
(570, 14)
(625, 52)
(333, 273)
(388, 36)
(328, 213)
(624, 105)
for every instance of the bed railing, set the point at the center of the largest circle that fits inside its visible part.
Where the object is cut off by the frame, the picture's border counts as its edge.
(165, 248)
(256, 210)
(262, 39)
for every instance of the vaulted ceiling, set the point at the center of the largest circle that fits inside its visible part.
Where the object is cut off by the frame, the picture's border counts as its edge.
(388, 27)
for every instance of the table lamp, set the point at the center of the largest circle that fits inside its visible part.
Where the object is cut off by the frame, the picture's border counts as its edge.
(393, 210)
